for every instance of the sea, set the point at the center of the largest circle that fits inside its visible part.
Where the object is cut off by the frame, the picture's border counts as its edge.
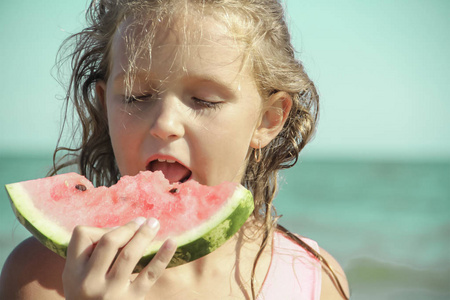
(387, 222)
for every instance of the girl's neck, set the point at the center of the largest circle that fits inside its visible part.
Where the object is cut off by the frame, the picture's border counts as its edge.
(232, 263)
(249, 236)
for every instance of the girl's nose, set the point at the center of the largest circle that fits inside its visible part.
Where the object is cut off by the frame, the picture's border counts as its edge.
(167, 123)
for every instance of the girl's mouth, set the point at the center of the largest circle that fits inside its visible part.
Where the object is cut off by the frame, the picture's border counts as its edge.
(172, 170)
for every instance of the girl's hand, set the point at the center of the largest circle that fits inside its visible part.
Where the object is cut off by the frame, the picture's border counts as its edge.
(92, 270)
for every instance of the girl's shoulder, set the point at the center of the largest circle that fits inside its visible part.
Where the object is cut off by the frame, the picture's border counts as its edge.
(329, 288)
(32, 272)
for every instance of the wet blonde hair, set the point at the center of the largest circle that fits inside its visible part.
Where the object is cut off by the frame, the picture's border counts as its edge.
(257, 24)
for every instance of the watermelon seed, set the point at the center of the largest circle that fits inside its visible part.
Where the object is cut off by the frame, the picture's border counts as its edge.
(174, 191)
(81, 187)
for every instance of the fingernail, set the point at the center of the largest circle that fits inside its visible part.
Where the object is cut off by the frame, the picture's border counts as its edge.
(139, 220)
(170, 244)
(152, 223)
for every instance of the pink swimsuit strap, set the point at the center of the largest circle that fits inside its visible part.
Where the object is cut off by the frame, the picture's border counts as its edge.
(293, 273)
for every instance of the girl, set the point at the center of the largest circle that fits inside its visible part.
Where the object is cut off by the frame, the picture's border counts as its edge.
(205, 90)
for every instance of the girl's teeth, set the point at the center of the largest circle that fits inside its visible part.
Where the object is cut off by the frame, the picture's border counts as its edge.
(166, 160)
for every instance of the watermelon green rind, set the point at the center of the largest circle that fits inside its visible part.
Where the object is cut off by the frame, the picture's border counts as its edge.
(192, 244)
(55, 238)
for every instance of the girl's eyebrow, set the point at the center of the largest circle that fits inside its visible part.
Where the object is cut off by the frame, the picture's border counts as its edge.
(223, 87)
(191, 79)
(119, 77)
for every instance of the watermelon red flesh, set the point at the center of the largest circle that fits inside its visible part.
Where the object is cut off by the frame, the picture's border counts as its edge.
(177, 211)
(193, 214)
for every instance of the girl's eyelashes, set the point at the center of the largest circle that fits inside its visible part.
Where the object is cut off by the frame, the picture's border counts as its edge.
(198, 102)
(206, 104)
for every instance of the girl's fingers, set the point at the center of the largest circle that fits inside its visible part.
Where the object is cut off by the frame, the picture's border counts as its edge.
(82, 244)
(98, 252)
(134, 250)
(148, 276)
(109, 244)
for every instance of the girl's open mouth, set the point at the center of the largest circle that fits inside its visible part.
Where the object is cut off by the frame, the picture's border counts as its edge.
(172, 170)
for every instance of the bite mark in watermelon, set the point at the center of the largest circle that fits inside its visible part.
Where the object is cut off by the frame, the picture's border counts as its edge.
(200, 218)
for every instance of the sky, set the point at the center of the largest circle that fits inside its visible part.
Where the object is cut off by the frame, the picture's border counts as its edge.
(381, 67)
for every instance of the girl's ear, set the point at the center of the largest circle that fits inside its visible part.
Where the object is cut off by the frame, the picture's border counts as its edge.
(273, 116)
(100, 90)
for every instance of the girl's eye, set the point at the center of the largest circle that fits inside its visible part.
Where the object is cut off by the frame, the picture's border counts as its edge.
(206, 104)
(142, 98)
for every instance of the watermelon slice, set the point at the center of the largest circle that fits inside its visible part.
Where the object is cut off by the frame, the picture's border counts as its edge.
(200, 218)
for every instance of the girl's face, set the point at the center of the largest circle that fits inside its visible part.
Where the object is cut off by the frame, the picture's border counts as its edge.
(192, 110)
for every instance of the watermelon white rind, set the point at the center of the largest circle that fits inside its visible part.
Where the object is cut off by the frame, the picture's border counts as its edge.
(192, 244)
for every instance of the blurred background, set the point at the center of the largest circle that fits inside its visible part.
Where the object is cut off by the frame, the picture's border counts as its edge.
(373, 187)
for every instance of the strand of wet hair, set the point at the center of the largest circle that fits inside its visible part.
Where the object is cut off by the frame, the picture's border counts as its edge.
(269, 220)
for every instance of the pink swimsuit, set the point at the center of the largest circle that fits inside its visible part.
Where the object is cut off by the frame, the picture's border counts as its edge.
(293, 272)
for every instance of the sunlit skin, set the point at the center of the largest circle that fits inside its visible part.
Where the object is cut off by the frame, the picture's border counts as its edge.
(197, 105)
